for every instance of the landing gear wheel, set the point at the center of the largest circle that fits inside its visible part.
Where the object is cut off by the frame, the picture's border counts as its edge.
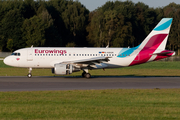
(87, 75)
(29, 75)
(83, 74)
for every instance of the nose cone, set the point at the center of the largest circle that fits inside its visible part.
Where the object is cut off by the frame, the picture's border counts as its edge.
(7, 61)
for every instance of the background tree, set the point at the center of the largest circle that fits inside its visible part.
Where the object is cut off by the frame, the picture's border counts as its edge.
(10, 44)
(10, 29)
(68, 23)
(173, 10)
(71, 44)
(34, 31)
(75, 18)
(96, 29)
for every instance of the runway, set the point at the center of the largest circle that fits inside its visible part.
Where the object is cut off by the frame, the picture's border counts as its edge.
(78, 83)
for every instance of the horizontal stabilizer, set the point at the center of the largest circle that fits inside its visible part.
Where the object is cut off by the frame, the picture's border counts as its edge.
(164, 53)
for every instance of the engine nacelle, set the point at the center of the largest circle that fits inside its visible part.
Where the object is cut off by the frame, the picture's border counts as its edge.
(64, 69)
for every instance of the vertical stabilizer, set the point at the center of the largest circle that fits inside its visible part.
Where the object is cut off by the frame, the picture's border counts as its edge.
(153, 47)
(158, 36)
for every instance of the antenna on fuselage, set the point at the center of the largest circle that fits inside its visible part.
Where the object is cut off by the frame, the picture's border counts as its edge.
(32, 46)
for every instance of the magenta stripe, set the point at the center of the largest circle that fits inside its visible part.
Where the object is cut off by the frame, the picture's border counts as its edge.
(155, 41)
(145, 54)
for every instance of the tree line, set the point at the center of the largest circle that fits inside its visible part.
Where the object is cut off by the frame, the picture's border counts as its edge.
(68, 23)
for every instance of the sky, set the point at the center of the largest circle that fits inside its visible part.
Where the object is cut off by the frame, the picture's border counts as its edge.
(94, 4)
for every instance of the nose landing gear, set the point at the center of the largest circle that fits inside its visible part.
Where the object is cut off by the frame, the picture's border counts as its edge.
(29, 75)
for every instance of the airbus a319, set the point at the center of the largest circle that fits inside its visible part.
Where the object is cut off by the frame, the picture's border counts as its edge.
(64, 61)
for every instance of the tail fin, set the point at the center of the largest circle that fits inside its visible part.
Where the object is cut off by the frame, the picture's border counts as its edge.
(153, 47)
(157, 39)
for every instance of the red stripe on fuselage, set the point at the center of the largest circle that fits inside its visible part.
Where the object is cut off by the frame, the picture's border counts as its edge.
(145, 54)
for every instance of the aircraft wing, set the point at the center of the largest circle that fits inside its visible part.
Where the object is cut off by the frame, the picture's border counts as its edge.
(91, 61)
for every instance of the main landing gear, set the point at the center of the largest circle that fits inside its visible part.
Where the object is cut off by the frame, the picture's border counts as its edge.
(29, 75)
(85, 74)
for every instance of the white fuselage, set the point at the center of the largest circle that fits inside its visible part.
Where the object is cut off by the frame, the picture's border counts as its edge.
(44, 57)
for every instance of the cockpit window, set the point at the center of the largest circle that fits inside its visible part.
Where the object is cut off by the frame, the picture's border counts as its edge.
(16, 54)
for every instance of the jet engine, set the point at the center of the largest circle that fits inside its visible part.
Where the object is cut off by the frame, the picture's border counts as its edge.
(64, 69)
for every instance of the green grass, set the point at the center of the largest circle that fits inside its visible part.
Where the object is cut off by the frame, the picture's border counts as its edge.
(127, 104)
(118, 104)
(158, 68)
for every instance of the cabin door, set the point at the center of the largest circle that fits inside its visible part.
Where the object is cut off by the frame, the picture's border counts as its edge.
(30, 55)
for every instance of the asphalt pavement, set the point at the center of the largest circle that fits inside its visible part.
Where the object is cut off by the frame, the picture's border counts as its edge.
(78, 83)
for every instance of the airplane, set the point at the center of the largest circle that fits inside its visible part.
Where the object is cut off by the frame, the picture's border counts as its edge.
(64, 60)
